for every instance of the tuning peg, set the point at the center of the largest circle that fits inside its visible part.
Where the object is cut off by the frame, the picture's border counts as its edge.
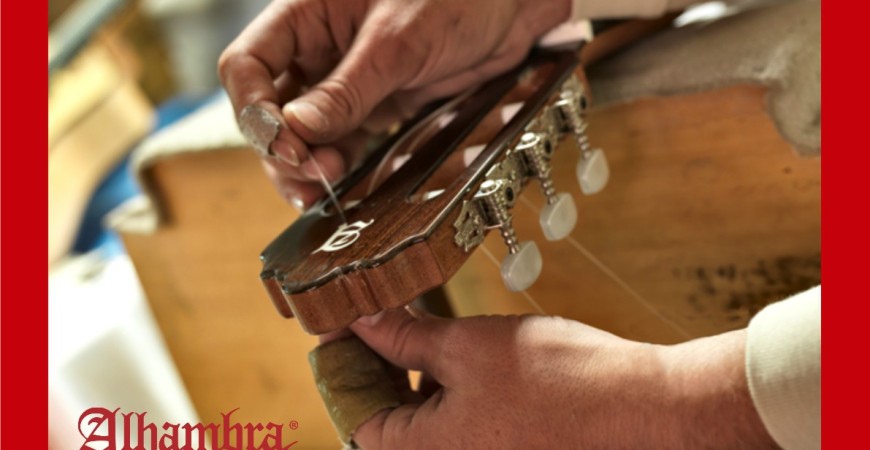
(559, 215)
(520, 270)
(522, 266)
(593, 171)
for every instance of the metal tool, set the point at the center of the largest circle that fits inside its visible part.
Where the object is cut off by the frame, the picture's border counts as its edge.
(329, 191)
(261, 127)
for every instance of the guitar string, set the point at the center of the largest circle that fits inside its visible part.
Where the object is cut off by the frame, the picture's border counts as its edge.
(528, 296)
(601, 266)
(616, 279)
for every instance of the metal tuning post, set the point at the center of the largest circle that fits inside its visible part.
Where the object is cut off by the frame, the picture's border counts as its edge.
(593, 171)
(559, 215)
(522, 266)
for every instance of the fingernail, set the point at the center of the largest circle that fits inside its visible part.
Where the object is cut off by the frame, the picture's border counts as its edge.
(285, 152)
(297, 203)
(371, 321)
(415, 312)
(308, 114)
(334, 335)
(310, 170)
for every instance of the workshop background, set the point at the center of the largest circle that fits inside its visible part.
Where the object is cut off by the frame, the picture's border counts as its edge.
(120, 71)
(158, 209)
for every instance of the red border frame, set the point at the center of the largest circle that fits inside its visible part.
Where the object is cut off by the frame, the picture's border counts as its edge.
(23, 194)
(845, 224)
(23, 289)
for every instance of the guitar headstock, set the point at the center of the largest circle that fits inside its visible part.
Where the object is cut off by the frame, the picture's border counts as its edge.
(427, 197)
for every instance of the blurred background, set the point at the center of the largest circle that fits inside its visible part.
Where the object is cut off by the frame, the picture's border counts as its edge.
(119, 72)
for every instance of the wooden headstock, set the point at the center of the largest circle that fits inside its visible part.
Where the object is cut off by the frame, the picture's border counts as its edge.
(458, 170)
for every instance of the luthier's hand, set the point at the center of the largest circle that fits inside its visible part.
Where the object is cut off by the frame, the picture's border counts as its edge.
(546, 382)
(363, 65)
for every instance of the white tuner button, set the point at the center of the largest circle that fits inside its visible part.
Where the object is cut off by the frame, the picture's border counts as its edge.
(558, 218)
(520, 270)
(593, 171)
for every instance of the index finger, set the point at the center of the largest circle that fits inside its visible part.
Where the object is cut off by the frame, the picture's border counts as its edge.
(263, 51)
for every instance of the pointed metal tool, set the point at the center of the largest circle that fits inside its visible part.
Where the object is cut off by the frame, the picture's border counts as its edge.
(329, 191)
(260, 127)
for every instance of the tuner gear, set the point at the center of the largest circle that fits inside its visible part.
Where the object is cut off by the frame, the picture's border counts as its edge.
(593, 171)
(559, 215)
(522, 266)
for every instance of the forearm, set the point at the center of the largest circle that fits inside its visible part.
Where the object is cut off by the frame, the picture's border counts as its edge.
(711, 393)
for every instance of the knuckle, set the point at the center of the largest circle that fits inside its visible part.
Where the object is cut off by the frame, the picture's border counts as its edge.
(395, 432)
(399, 48)
(226, 62)
(456, 346)
(409, 56)
(403, 336)
(465, 340)
(344, 98)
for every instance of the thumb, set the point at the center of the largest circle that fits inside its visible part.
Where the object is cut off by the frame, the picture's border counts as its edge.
(408, 342)
(344, 99)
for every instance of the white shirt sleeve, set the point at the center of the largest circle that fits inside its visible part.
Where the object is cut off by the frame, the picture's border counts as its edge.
(616, 9)
(784, 369)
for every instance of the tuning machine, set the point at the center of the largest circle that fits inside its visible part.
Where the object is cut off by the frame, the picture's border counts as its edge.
(559, 215)
(592, 170)
(522, 266)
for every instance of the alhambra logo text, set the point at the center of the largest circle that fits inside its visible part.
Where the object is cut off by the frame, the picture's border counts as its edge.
(104, 429)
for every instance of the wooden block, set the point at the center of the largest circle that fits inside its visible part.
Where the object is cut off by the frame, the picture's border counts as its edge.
(200, 272)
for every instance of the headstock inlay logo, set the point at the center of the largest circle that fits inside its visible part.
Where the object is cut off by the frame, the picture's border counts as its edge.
(344, 236)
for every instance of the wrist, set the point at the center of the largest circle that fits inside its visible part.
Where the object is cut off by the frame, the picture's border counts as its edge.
(709, 393)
